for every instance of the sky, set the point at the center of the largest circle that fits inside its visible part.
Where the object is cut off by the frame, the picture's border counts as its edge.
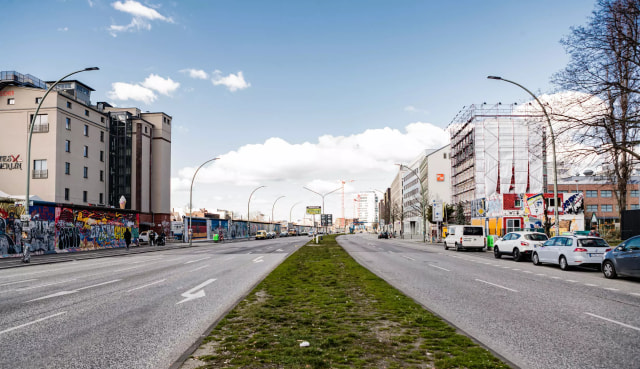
(296, 93)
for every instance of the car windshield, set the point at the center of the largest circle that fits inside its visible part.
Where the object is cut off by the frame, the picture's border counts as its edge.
(472, 231)
(593, 242)
(536, 237)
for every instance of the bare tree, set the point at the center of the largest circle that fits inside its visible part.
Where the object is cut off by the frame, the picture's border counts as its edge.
(602, 121)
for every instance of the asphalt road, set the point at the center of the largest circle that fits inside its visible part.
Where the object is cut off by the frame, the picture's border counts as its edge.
(535, 317)
(141, 310)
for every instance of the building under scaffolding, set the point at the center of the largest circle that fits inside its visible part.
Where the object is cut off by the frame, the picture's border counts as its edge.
(496, 149)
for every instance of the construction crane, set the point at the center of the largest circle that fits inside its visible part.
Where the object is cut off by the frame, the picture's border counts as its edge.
(344, 221)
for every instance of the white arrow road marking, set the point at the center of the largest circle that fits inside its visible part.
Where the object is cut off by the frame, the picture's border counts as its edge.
(23, 281)
(34, 322)
(192, 294)
(608, 320)
(258, 259)
(496, 285)
(147, 285)
(195, 261)
(279, 250)
(63, 293)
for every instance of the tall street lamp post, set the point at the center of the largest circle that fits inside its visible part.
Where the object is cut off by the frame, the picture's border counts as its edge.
(321, 195)
(553, 148)
(33, 122)
(189, 234)
(248, 213)
(423, 203)
(290, 210)
(273, 207)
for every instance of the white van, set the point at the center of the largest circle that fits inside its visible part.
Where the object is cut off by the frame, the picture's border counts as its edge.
(465, 237)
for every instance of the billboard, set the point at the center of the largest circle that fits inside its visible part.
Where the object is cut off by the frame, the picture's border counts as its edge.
(313, 210)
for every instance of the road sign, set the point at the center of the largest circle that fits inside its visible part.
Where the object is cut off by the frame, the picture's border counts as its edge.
(326, 220)
(313, 210)
(437, 211)
(594, 218)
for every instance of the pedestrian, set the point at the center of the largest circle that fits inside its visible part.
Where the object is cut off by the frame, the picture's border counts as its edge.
(593, 232)
(152, 237)
(127, 238)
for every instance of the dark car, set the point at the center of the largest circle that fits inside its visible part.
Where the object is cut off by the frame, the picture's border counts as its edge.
(383, 235)
(624, 260)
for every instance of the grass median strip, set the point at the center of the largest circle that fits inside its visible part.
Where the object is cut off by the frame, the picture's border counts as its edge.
(349, 317)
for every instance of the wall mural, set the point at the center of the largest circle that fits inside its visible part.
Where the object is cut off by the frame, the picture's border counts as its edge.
(55, 229)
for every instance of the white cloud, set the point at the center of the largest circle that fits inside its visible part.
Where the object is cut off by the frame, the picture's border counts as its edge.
(142, 15)
(195, 73)
(233, 82)
(413, 109)
(127, 91)
(63, 29)
(161, 85)
(90, 3)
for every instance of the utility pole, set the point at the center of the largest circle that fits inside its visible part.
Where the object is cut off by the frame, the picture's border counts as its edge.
(344, 221)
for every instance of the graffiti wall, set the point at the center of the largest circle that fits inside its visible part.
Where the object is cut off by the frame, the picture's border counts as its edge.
(55, 229)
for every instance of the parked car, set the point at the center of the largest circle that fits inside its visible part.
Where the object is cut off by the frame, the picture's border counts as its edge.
(624, 260)
(383, 235)
(568, 251)
(143, 236)
(284, 234)
(465, 237)
(261, 235)
(518, 244)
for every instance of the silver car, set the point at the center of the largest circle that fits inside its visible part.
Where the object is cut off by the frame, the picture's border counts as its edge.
(568, 251)
(624, 260)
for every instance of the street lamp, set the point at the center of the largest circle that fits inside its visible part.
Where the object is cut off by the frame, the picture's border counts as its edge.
(248, 216)
(273, 207)
(553, 147)
(33, 122)
(423, 203)
(191, 198)
(321, 195)
(290, 210)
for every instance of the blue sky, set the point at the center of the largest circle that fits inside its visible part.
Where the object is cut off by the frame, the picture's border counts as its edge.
(294, 91)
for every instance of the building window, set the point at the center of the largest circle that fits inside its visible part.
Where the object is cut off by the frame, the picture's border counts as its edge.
(41, 123)
(101, 155)
(634, 193)
(102, 176)
(38, 99)
(86, 130)
(67, 124)
(101, 119)
(145, 129)
(85, 151)
(101, 136)
(592, 208)
(634, 207)
(66, 194)
(84, 196)
(11, 101)
(517, 203)
(40, 169)
(101, 198)
(67, 146)
(591, 193)
(606, 208)
(86, 112)
(67, 168)
(86, 172)
(606, 193)
(68, 104)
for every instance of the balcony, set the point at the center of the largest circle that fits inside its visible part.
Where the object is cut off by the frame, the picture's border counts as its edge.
(39, 174)
(41, 128)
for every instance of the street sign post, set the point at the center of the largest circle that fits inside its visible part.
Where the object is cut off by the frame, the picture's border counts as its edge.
(314, 210)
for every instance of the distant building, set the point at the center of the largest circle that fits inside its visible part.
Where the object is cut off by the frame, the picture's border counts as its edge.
(367, 209)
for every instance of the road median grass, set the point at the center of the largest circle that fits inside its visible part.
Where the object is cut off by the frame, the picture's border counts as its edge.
(349, 317)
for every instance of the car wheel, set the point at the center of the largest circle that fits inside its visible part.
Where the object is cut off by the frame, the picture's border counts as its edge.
(445, 246)
(535, 259)
(563, 263)
(496, 252)
(457, 247)
(609, 270)
(517, 256)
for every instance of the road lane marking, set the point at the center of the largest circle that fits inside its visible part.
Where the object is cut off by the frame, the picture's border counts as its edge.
(147, 285)
(506, 267)
(571, 281)
(34, 322)
(23, 281)
(63, 293)
(555, 277)
(279, 250)
(408, 258)
(527, 271)
(612, 289)
(607, 319)
(635, 294)
(43, 285)
(497, 285)
(196, 292)
(258, 259)
(122, 270)
(195, 261)
(198, 268)
(516, 269)
(435, 266)
(541, 274)
(591, 285)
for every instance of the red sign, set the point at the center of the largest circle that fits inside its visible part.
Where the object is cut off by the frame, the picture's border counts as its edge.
(6, 93)
(440, 177)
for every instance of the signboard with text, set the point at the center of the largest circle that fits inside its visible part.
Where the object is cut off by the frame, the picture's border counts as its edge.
(313, 210)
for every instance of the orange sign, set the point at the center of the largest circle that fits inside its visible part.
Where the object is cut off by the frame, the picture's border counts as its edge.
(440, 177)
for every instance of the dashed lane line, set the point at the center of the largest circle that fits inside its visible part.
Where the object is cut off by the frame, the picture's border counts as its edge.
(435, 266)
(146, 285)
(33, 322)
(496, 285)
(611, 321)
